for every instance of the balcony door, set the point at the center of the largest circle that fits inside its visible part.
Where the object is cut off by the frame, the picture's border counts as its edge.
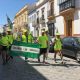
(51, 29)
(69, 27)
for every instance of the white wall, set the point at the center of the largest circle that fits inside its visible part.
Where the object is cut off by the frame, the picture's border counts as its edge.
(59, 25)
(32, 17)
(1, 30)
(45, 14)
(77, 22)
(56, 8)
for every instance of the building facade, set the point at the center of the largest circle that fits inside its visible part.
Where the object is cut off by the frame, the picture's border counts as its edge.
(41, 13)
(32, 23)
(51, 18)
(67, 16)
(21, 18)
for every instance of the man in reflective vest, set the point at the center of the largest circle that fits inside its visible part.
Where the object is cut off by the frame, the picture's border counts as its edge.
(5, 45)
(24, 39)
(10, 39)
(43, 41)
(30, 38)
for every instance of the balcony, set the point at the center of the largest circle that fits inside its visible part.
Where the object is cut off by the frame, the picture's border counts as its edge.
(42, 19)
(34, 23)
(37, 20)
(50, 15)
(67, 5)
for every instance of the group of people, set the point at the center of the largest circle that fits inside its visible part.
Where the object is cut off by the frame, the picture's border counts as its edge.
(44, 40)
(7, 38)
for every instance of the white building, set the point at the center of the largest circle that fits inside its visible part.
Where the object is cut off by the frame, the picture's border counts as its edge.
(67, 16)
(32, 20)
(41, 11)
(1, 29)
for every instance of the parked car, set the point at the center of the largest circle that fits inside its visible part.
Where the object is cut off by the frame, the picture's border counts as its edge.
(71, 47)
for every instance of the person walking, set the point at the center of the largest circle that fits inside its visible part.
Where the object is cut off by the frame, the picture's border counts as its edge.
(58, 47)
(43, 41)
(10, 40)
(5, 44)
(49, 41)
(30, 38)
(24, 39)
(0, 43)
(15, 34)
(19, 35)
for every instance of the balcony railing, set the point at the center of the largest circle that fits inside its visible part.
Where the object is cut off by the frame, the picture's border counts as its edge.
(66, 5)
(42, 19)
(34, 23)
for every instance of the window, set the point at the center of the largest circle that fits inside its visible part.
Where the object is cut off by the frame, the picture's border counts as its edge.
(37, 13)
(52, 7)
(65, 4)
(51, 29)
(43, 13)
(66, 40)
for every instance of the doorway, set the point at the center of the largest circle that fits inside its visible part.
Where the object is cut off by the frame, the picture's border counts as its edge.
(69, 27)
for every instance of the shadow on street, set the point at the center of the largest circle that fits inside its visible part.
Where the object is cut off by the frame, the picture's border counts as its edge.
(18, 69)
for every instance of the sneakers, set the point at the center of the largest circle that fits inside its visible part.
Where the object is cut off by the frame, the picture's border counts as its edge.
(45, 62)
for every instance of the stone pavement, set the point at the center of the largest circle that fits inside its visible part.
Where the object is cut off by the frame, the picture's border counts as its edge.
(18, 69)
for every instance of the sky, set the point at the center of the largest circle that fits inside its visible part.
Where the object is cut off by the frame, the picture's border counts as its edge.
(11, 7)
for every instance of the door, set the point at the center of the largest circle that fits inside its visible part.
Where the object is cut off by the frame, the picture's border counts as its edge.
(51, 29)
(69, 27)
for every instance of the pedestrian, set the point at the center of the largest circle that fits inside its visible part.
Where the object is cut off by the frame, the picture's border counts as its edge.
(19, 35)
(49, 41)
(43, 41)
(24, 39)
(4, 43)
(15, 34)
(58, 47)
(10, 40)
(0, 43)
(24, 36)
(30, 38)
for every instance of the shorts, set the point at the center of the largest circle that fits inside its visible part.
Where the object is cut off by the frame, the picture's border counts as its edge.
(0, 47)
(43, 50)
(4, 48)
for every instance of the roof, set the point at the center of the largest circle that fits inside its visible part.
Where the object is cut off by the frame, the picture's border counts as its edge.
(31, 8)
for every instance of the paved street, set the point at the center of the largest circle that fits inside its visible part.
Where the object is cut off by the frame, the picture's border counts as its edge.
(18, 69)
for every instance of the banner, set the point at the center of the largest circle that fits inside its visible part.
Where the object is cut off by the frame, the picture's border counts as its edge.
(29, 50)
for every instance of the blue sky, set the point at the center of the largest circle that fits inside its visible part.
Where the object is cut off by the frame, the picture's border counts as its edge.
(11, 7)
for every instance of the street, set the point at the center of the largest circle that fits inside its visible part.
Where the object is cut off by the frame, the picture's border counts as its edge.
(18, 69)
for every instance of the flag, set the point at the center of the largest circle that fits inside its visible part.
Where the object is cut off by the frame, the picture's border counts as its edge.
(29, 50)
(10, 25)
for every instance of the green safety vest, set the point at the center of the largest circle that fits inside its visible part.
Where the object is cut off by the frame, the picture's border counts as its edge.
(30, 38)
(10, 39)
(24, 38)
(4, 41)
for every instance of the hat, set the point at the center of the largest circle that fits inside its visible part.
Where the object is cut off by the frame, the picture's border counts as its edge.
(43, 31)
(23, 30)
(57, 33)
